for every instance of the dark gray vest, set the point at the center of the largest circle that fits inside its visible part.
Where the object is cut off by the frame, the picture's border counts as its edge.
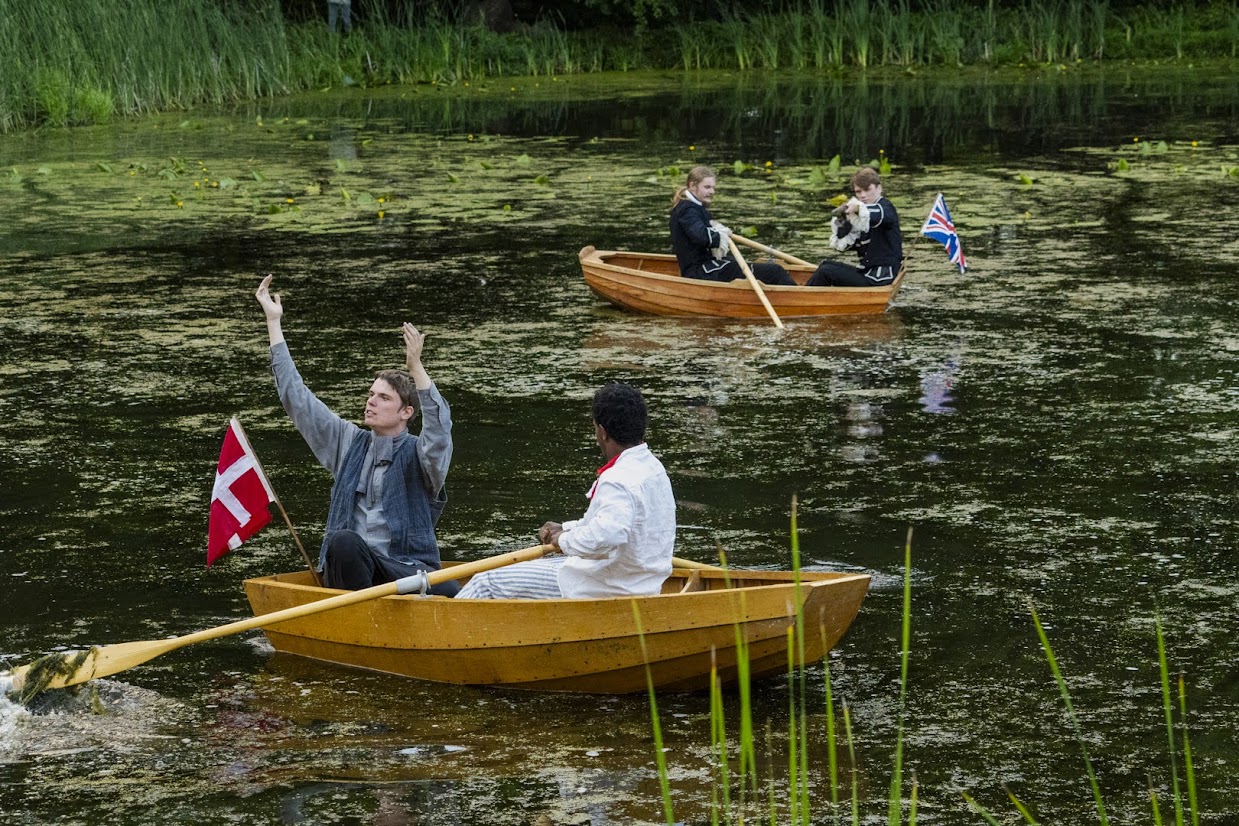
(410, 510)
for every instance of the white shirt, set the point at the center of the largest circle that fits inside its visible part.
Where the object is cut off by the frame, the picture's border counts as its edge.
(624, 543)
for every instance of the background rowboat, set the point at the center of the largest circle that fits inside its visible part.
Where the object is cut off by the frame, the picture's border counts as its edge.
(651, 283)
(572, 645)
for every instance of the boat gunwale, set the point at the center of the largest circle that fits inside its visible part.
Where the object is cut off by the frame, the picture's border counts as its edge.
(810, 579)
(595, 258)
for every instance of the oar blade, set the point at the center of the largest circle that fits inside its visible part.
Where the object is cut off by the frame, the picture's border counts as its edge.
(67, 668)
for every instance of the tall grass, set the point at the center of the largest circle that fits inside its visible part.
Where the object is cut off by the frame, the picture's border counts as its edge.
(734, 794)
(82, 61)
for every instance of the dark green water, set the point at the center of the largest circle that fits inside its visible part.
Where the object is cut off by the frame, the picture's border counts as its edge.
(1058, 424)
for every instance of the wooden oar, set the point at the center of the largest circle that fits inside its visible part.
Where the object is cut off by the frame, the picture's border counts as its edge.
(791, 259)
(677, 562)
(753, 282)
(73, 667)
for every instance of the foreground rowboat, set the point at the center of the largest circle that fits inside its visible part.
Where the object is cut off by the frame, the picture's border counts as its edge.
(651, 283)
(573, 645)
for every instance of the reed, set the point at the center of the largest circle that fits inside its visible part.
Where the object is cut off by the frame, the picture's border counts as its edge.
(734, 795)
(84, 61)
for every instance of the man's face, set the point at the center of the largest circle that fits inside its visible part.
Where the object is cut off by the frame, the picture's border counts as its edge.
(703, 191)
(385, 413)
(869, 195)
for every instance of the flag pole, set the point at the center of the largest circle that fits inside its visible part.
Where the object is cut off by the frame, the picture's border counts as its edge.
(275, 497)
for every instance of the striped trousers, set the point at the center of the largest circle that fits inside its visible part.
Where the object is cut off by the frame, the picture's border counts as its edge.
(535, 579)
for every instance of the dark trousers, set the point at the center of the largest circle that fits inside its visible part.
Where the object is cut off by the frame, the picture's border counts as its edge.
(765, 273)
(836, 274)
(352, 565)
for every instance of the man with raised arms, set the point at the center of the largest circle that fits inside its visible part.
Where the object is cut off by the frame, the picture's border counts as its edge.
(389, 485)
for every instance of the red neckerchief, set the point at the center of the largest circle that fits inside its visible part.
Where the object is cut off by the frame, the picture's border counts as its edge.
(601, 470)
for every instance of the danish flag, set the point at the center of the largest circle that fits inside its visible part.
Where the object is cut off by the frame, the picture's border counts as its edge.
(241, 496)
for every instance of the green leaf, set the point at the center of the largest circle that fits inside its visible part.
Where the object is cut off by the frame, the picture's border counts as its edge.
(507, 207)
(817, 177)
(44, 170)
(1122, 165)
(523, 160)
(834, 165)
(1024, 179)
(365, 199)
(740, 166)
(340, 165)
(749, 232)
(884, 166)
(258, 176)
(453, 178)
(485, 165)
(227, 183)
(344, 195)
(104, 166)
(542, 180)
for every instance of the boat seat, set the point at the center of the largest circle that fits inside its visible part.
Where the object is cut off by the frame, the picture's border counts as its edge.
(693, 584)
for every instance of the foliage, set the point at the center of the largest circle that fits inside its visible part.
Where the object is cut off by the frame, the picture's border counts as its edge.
(81, 62)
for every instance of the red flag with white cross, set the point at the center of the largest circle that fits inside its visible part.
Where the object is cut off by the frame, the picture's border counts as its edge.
(240, 498)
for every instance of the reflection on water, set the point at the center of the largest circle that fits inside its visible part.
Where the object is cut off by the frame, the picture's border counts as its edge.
(1060, 423)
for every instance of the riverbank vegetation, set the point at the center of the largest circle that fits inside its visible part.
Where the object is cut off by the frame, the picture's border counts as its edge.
(85, 61)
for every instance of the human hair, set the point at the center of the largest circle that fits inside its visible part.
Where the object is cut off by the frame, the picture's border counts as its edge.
(402, 383)
(866, 177)
(621, 412)
(695, 176)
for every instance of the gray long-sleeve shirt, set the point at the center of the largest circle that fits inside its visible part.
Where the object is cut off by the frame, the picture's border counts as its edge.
(329, 437)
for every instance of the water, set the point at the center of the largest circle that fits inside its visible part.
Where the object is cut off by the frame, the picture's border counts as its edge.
(1057, 425)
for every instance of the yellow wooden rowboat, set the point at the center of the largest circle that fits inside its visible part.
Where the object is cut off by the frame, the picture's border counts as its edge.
(589, 645)
(651, 283)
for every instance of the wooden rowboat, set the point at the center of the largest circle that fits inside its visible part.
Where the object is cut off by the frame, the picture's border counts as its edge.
(588, 645)
(651, 283)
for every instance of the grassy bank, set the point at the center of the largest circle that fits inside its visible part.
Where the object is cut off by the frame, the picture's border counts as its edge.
(85, 61)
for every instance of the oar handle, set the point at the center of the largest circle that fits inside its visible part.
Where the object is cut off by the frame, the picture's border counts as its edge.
(753, 282)
(791, 259)
(677, 562)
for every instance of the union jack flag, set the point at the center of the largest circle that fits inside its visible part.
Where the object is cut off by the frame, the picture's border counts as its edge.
(941, 228)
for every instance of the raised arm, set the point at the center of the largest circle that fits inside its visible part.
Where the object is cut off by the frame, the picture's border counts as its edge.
(327, 435)
(413, 343)
(273, 310)
(434, 443)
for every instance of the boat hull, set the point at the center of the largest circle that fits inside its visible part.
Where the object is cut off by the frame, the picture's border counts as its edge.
(651, 283)
(572, 645)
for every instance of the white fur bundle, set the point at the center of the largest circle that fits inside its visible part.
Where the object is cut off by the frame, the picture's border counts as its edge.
(859, 226)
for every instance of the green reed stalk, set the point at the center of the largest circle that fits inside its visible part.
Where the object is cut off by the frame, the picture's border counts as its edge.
(981, 810)
(794, 798)
(1187, 757)
(1157, 809)
(772, 805)
(847, 730)
(1168, 708)
(718, 738)
(660, 757)
(799, 674)
(832, 756)
(896, 793)
(1020, 807)
(1071, 714)
(912, 800)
